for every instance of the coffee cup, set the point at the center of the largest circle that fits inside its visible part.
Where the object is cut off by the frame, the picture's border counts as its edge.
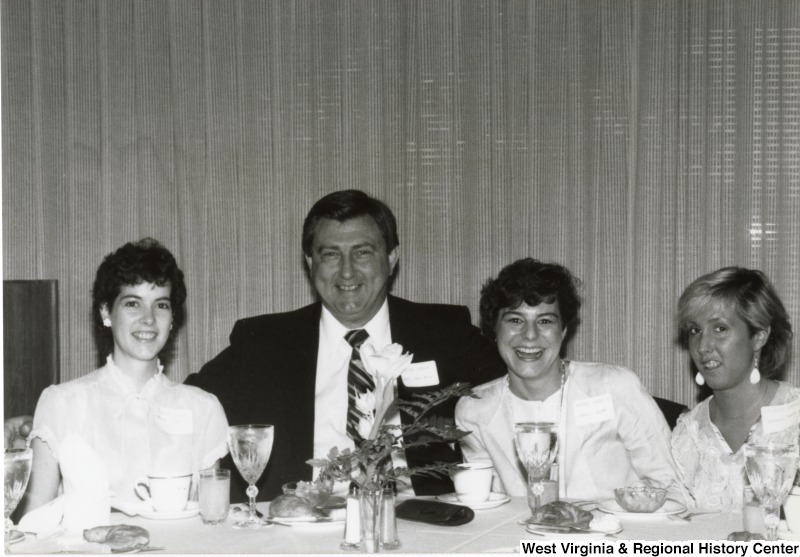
(791, 508)
(473, 481)
(167, 494)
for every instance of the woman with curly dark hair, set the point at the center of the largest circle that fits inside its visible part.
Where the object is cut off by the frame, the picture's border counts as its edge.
(611, 432)
(738, 335)
(127, 417)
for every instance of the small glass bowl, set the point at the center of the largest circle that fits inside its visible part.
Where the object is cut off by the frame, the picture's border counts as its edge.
(312, 493)
(641, 498)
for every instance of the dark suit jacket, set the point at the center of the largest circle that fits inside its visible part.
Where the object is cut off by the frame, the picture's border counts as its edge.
(268, 375)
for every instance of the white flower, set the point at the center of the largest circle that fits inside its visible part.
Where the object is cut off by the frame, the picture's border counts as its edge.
(387, 364)
(365, 426)
(365, 403)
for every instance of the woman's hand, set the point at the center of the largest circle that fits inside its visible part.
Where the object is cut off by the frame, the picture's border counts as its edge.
(16, 431)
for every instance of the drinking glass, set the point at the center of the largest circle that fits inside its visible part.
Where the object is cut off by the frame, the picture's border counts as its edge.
(537, 446)
(251, 447)
(17, 471)
(771, 469)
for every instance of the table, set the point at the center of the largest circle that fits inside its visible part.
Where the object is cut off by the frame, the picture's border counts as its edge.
(493, 530)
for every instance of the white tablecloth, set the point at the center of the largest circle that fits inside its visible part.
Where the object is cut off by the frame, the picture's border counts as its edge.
(492, 530)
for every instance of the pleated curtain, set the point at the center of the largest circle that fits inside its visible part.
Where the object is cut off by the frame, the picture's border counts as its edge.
(639, 143)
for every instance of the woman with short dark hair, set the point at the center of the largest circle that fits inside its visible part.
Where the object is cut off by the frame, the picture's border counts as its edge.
(611, 432)
(127, 415)
(738, 334)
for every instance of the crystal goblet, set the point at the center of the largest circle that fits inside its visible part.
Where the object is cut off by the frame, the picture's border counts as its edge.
(251, 447)
(17, 464)
(771, 469)
(537, 446)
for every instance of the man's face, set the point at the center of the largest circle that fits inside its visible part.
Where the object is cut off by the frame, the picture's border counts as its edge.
(350, 268)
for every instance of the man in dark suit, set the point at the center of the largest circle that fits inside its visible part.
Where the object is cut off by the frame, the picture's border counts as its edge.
(290, 369)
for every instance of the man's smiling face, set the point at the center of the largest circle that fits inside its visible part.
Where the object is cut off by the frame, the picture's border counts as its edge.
(350, 268)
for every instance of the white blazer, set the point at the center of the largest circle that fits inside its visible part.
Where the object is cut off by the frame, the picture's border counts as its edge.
(594, 458)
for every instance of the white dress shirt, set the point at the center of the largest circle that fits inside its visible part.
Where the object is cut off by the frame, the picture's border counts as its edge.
(330, 393)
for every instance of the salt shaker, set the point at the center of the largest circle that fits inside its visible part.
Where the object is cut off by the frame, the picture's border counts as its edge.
(352, 524)
(389, 539)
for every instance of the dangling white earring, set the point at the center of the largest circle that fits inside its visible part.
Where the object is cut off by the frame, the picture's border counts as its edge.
(107, 322)
(755, 375)
(699, 379)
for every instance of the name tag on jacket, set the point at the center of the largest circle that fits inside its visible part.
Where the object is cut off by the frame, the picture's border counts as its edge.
(176, 421)
(593, 410)
(778, 418)
(421, 374)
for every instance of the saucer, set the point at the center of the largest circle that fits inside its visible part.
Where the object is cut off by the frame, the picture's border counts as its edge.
(15, 536)
(669, 507)
(192, 509)
(494, 500)
(785, 534)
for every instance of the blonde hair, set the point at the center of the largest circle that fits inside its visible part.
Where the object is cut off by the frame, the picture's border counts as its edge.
(752, 297)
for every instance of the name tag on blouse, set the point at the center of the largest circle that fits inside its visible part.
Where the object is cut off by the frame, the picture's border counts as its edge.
(421, 374)
(175, 421)
(593, 410)
(778, 418)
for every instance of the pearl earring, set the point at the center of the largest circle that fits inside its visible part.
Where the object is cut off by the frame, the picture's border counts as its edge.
(107, 322)
(699, 379)
(755, 375)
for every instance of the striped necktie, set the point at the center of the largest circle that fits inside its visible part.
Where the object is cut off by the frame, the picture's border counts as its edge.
(358, 381)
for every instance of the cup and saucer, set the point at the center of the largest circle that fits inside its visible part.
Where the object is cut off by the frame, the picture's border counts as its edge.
(166, 497)
(473, 484)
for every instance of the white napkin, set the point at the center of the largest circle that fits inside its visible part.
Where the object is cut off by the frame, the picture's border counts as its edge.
(86, 501)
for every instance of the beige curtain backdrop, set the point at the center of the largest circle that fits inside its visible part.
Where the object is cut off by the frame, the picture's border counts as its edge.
(640, 143)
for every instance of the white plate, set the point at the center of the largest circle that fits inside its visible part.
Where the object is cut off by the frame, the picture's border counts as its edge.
(495, 500)
(590, 535)
(670, 506)
(308, 522)
(192, 509)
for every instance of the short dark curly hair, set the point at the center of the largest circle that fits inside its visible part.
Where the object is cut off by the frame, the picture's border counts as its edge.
(533, 282)
(750, 294)
(146, 260)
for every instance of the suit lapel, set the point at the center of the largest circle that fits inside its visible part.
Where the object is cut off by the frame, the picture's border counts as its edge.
(300, 384)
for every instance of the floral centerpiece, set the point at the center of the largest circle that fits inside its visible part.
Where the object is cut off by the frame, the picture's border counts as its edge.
(369, 465)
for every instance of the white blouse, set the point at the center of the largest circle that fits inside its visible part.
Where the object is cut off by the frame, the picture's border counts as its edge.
(712, 473)
(166, 428)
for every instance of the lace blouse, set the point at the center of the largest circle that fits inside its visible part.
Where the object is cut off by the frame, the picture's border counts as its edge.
(710, 471)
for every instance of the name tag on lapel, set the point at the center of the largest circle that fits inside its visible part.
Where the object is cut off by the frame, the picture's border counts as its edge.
(593, 410)
(421, 374)
(778, 418)
(176, 421)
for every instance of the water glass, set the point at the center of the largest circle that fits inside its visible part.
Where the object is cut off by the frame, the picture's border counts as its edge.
(752, 513)
(214, 495)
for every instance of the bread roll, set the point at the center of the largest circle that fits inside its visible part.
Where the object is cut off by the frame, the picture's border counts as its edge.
(122, 537)
(561, 513)
(290, 506)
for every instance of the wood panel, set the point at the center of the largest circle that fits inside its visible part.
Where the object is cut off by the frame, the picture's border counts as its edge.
(30, 342)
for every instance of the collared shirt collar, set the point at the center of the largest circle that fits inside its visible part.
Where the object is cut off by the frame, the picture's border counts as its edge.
(125, 383)
(331, 329)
